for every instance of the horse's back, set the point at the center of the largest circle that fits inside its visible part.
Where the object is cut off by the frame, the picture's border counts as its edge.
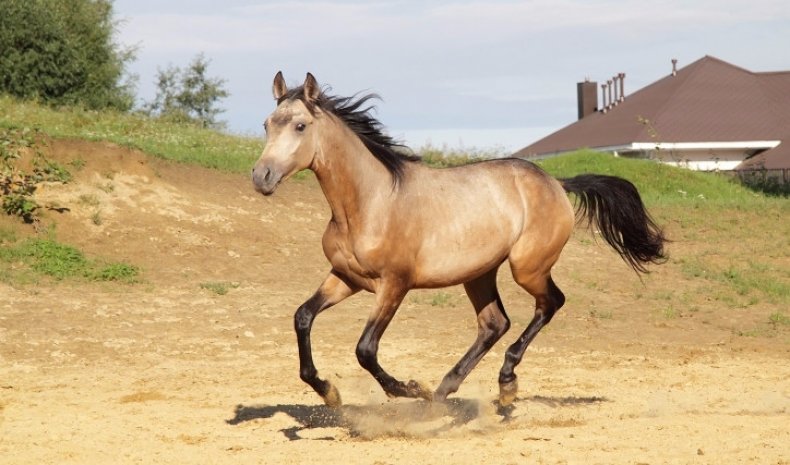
(464, 221)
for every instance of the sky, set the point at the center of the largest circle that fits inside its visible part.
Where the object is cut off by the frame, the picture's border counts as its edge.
(487, 75)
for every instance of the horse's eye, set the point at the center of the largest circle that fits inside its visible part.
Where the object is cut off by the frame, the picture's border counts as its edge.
(266, 127)
(300, 127)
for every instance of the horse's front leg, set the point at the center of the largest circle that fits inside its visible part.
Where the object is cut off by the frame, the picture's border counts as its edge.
(388, 298)
(332, 290)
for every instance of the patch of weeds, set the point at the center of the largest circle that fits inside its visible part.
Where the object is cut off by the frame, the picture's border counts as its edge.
(726, 299)
(778, 291)
(592, 285)
(96, 218)
(88, 200)
(107, 187)
(53, 259)
(737, 280)
(749, 333)
(779, 319)
(670, 313)
(603, 315)
(693, 268)
(122, 272)
(664, 295)
(219, 287)
(53, 171)
(78, 164)
(109, 174)
(59, 261)
(441, 299)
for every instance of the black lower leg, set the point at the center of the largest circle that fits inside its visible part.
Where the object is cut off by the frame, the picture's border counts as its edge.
(367, 356)
(303, 322)
(546, 306)
(492, 324)
(516, 351)
(368, 346)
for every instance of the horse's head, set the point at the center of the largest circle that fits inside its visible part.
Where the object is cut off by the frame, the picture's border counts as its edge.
(291, 136)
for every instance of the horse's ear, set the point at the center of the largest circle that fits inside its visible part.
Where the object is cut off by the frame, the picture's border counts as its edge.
(279, 89)
(311, 88)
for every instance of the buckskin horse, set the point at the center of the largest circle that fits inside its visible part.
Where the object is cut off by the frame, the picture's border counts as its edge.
(398, 224)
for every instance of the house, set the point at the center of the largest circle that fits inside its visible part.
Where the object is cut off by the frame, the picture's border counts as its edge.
(709, 115)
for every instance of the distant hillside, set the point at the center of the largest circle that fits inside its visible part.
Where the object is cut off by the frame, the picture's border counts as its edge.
(657, 182)
(173, 141)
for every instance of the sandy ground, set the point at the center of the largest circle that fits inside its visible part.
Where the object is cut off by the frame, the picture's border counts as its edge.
(167, 371)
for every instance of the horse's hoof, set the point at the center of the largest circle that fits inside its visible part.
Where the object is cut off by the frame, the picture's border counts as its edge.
(507, 393)
(421, 390)
(332, 397)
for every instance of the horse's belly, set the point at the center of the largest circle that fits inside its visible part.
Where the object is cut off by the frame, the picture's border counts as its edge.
(458, 261)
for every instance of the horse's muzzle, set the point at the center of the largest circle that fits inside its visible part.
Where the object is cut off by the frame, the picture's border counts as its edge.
(265, 179)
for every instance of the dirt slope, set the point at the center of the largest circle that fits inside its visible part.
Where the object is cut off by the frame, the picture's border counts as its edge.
(166, 371)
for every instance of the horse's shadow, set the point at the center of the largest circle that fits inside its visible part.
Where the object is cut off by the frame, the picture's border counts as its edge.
(394, 418)
(308, 416)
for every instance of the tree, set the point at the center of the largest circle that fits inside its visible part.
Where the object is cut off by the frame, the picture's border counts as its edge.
(63, 52)
(188, 95)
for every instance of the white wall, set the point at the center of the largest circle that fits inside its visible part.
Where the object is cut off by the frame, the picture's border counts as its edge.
(702, 160)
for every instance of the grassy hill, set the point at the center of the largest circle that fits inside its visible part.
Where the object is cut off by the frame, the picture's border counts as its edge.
(658, 183)
(173, 141)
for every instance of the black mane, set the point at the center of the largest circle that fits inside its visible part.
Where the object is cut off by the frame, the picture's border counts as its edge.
(357, 115)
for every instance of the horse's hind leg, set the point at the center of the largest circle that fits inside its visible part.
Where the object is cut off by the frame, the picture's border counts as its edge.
(548, 299)
(492, 323)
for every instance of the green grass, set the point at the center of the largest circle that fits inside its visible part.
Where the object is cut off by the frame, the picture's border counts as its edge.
(437, 298)
(26, 261)
(779, 318)
(173, 141)
(218, 287)
(658, 183)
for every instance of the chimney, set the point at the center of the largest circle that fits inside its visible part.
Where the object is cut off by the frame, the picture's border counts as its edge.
(587, 97)
(604, 105)
(609, 86)
(616, 100)
(674, 66)
(622, 86)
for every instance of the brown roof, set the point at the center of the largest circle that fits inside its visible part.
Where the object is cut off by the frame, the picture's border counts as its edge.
(709, 100)
(774, 159)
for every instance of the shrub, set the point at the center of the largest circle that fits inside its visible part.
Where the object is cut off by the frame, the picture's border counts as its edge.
(63, 53)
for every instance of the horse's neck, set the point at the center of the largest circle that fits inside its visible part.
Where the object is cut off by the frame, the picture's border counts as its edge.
(351, 177)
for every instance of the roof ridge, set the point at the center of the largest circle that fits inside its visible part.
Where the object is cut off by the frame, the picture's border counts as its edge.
(727, 63)
(688, 71)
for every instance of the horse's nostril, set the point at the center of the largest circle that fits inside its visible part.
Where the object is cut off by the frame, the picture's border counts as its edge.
(267, 176)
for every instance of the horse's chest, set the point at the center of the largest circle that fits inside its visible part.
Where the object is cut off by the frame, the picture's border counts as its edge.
(348, 256)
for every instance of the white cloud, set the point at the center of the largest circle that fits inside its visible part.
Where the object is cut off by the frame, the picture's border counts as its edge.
(289, 26)
(302, 26)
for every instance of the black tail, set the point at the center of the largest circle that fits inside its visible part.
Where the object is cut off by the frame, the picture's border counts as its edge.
(614, 206)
